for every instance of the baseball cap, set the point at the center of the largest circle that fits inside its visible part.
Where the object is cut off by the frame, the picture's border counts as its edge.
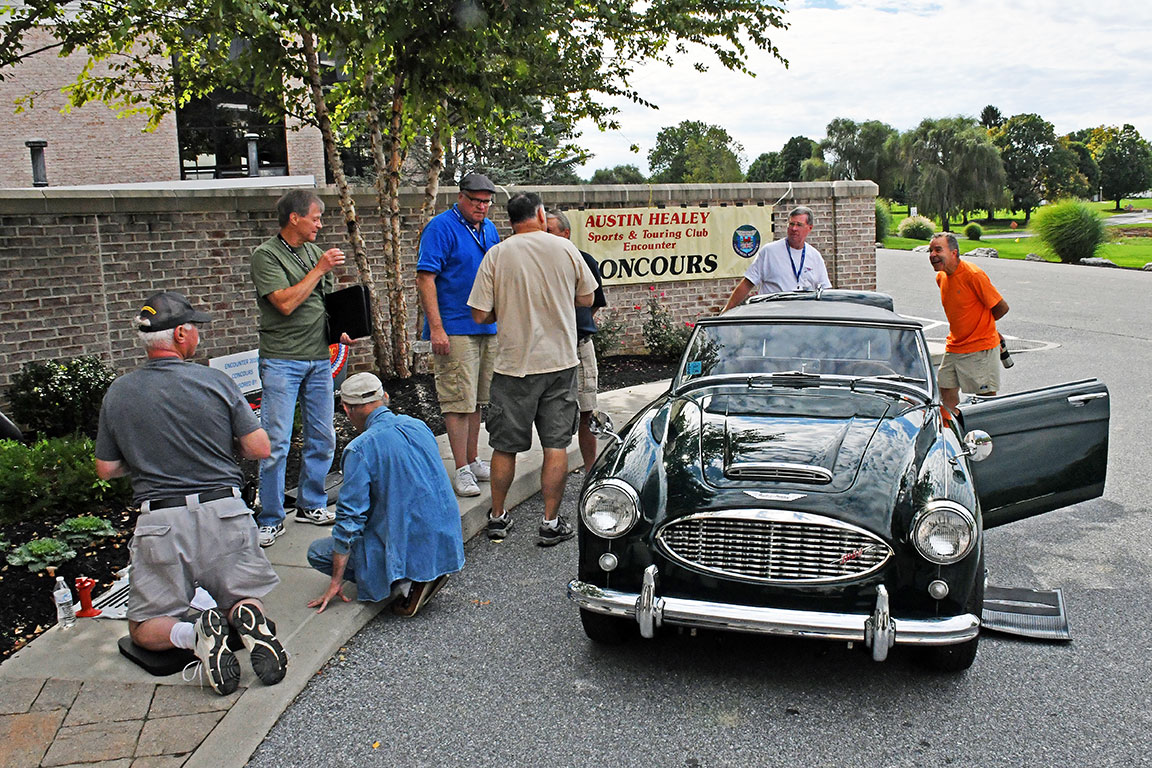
(360, 388)
(476, 182)
(167, 309)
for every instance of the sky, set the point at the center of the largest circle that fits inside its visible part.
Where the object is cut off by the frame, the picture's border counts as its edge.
(1076, 64)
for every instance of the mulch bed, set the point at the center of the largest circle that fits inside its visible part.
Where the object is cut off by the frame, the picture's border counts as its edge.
(26, 607)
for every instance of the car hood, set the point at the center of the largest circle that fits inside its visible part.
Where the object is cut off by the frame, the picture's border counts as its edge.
(823, 449)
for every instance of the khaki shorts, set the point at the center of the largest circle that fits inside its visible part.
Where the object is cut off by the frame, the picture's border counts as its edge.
(587, 374)
(976, 373)
(464, 375)
(547, 400)
(212, 545)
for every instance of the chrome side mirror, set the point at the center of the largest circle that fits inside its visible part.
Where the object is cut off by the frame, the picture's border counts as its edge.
(600, 424)
(977, 445)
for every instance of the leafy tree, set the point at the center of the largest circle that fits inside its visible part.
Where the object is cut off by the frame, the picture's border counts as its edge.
(815, 169)
(861, 151)
(951, 166)
(795, 151)
(1085, 164)
(695, 152)
(620, 174)
(767, 167)
(1125, 161)
(990, 117)
(1035, 166)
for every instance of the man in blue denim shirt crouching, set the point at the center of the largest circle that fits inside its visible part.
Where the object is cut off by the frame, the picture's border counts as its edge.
(397, 529)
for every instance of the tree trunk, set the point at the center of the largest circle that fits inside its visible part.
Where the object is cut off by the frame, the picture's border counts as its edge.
(347, 205)
(397, 302)
(431, 189)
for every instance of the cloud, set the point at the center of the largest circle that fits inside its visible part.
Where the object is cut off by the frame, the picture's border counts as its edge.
(858, 59)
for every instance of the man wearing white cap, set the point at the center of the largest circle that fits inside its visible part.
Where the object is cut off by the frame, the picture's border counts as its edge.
(397, 529)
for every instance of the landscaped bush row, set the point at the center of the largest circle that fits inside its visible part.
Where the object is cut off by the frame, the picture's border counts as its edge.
(54, 478)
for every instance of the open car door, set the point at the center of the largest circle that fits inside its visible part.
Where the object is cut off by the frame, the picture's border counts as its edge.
(1049, 449)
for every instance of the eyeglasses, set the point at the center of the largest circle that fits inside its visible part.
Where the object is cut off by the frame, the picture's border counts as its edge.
(481, 201)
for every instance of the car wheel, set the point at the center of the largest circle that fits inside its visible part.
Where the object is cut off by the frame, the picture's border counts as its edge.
(959, 657)
(608, 630)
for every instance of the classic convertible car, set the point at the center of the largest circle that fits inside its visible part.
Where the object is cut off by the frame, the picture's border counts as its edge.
(799, 478)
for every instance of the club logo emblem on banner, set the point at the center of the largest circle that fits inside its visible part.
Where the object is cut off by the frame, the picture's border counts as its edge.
(746, 241)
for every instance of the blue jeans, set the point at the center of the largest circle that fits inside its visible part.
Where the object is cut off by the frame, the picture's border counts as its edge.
(320, 558)
(285, 382)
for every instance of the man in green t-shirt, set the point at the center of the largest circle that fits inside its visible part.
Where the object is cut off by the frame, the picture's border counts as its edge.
(291, 276)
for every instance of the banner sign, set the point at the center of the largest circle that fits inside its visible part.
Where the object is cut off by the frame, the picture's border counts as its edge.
(243, 367)
(652, 245)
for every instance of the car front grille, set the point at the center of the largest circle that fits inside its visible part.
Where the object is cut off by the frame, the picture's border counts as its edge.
(773, 546)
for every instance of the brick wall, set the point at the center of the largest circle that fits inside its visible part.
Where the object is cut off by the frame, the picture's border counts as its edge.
(75, 265)
(92, 145)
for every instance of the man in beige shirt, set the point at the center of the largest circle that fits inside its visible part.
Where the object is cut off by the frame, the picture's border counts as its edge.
(530, 284)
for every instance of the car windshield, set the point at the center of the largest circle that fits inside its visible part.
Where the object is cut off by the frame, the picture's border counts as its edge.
(818, 349)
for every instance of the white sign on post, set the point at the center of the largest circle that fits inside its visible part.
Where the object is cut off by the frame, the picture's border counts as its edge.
(243, 367)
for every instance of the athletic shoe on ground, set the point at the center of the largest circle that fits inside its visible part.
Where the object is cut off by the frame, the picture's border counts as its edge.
(318, 516)
(498, 528)
(418, 596)
(547, 536)
(217, 661)
(269, 660)
(269, 533)
(480, 470)
(464, 483)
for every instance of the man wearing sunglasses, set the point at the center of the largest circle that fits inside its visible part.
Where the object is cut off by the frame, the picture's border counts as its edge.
(451, 248)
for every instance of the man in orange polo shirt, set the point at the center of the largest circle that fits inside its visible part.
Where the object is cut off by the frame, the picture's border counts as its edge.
(972, 305)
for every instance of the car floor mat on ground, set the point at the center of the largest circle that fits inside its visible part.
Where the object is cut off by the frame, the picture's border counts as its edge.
(1038, 614)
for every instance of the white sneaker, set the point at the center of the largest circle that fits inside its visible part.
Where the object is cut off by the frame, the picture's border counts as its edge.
(269, 533)
(318, 516)
(464, 483)
(480, 470)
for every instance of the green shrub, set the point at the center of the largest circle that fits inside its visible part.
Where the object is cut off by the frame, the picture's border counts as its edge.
(60, 397)
(1071, 229)
(883, 220)
(53, 478)
(664, 336)
(973, 231)
(39, 554)
(609, 330)
(82, 530)
(916, 228)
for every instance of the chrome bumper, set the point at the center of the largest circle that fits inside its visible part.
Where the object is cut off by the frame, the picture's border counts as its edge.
(878, 630)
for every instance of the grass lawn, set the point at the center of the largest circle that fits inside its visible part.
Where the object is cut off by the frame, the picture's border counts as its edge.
(1002, 223)
(1131, 252)
(1108, 207)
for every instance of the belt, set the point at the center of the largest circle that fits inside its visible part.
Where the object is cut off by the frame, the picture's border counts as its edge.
(182, 501)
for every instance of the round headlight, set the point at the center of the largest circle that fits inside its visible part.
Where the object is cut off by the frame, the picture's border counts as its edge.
(944, 532)
(610, 508)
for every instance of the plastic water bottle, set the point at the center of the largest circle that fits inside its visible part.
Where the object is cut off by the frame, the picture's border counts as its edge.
(1005, 358)
(65, 610)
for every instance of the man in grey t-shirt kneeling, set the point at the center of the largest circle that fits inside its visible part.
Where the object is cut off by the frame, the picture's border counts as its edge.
(171, 425)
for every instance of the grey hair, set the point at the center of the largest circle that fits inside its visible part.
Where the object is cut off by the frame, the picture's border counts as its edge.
(296, 201)
(164, 339)
(803, 210)
(560, 218)
(951, 238)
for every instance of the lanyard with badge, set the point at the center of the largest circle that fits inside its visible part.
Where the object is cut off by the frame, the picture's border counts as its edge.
(295, 255)
(796, 270)
(477, 236)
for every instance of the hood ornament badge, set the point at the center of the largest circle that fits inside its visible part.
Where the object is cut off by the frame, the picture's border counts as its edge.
(770, 496)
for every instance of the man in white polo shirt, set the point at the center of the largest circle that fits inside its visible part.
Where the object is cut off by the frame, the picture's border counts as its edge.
(785, 265)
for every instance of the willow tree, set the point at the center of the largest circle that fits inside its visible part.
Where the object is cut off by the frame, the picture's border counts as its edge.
(950, 166)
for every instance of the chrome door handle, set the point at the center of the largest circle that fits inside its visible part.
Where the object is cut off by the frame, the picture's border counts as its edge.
(1078, 401)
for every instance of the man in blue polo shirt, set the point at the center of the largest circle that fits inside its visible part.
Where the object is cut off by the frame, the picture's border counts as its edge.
(451, 248)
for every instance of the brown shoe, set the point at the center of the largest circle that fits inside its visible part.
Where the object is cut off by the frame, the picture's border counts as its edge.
(418, 596)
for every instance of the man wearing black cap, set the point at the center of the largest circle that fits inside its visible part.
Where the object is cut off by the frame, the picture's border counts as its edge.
(451, 248)
(171, 425)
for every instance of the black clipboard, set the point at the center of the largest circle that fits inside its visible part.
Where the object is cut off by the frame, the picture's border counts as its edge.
(350, 312)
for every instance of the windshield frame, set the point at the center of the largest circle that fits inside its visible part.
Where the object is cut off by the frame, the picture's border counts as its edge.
(928, 391)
